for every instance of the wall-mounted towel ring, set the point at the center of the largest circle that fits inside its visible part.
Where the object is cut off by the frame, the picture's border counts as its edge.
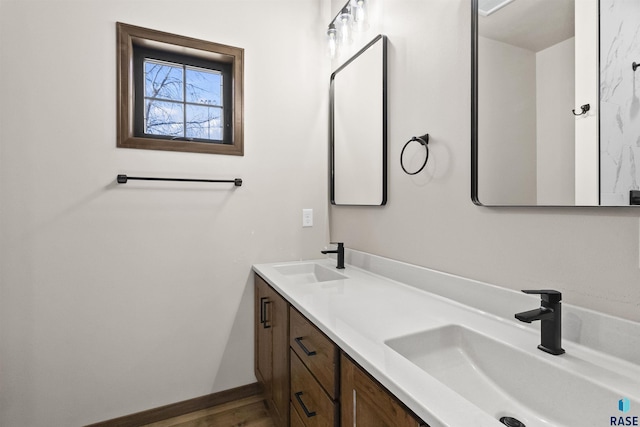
(584, 108)
(635, 66)
(423, 140)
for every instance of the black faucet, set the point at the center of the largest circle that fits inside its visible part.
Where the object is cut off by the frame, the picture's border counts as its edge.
(339, 251)
(550, 316)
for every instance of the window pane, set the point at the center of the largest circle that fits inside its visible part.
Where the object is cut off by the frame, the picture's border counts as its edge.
(204, 122)
(163, 80)
(204, 86)
(163, 118)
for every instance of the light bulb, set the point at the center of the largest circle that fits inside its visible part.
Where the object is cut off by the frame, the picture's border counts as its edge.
(332, 41)
(360, 15)
(344, 23)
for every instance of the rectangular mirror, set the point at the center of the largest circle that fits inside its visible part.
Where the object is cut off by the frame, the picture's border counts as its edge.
(358, 127)
(555, 109)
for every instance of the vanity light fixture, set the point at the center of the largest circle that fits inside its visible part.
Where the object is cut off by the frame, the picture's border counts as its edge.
(352, 17)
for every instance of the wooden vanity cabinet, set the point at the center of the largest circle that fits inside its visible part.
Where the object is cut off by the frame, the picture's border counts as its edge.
(308, 381)
(272, 350)
(365, 403)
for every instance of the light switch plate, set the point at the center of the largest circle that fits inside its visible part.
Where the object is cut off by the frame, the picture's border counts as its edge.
(307, 217)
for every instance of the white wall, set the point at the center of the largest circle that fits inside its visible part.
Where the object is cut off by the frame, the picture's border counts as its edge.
(588, 160)
(116, 299)
(506, 124)
(555, 132)
(590, 254)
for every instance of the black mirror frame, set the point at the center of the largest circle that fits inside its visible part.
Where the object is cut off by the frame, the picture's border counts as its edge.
(634, 200)
(474, 103)
(383, 118)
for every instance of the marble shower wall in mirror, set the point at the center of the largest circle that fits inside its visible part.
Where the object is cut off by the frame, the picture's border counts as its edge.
(619, 101)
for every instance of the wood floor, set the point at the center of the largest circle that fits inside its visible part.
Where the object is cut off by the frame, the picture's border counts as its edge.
(248, 412)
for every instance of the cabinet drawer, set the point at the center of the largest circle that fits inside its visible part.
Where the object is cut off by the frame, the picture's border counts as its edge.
(315, 350)
(296, 421)
(308, 399)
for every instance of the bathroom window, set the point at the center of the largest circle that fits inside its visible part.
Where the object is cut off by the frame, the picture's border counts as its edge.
(179, 101)
(178, 94)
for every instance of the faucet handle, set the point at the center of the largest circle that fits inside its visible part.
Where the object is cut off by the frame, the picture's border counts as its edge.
(548, 295)
(337, 243)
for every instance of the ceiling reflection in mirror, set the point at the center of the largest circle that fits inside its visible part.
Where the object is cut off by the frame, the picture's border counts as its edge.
(556, 119)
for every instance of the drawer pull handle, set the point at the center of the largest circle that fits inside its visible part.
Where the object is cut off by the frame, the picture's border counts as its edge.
(306, 351)
(263, 312)
(304, 407)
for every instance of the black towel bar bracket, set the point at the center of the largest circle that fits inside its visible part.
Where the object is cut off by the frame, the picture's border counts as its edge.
(635, 65)
(122, 179)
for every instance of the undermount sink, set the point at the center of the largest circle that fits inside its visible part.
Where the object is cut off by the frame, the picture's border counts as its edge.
(308, 273)
(504, 381)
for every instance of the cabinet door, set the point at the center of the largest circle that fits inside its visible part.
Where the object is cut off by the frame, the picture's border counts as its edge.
(263, 337)
(272, 349)
(278, 318)
(366, 404)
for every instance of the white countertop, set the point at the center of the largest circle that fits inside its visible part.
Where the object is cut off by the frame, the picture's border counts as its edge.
(363, 311)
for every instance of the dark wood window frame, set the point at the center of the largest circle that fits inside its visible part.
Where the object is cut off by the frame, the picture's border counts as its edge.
(132, 40)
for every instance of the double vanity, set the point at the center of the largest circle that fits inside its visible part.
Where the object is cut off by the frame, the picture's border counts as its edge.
(404, 345)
